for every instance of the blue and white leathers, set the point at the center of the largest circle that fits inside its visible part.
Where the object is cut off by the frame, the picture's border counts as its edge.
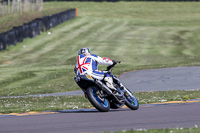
(89, 64)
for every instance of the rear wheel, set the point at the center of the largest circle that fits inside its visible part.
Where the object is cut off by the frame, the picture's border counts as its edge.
(99, 102)
(131, 101)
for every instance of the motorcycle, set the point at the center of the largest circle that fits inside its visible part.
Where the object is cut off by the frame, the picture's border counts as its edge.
(102, 97)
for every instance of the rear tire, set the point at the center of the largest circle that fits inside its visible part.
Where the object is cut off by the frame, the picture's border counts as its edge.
(102, 104)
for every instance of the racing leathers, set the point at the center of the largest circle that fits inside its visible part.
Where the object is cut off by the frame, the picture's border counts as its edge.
(89, 64)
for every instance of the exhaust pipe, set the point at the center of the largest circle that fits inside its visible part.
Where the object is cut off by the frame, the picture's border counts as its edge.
(103, 87)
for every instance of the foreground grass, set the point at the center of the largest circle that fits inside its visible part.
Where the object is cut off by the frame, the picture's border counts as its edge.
(142, 35)
(195, 129)
(24, 104)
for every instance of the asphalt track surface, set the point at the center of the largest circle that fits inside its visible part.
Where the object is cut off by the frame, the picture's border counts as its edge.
(169, 115)
(90, 120)
(163, 79)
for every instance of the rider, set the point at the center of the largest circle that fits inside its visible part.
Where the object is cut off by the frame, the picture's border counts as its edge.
(88, 62)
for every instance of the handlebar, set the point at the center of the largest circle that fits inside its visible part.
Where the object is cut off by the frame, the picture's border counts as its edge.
(111, 66)
(118, 62)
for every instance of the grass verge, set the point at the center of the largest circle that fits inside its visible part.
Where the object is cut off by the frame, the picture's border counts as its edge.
(194, 129)
(24, 104)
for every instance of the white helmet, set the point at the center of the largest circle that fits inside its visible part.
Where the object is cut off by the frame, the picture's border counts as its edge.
(85, 51)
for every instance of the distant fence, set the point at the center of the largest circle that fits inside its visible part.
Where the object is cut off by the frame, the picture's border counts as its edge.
(124, 0)
(19, 6)
(33, 28)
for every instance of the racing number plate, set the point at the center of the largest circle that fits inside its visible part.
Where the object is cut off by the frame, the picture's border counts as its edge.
(88, 76)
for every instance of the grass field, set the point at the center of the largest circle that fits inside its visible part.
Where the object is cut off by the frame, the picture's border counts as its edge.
(142, 35)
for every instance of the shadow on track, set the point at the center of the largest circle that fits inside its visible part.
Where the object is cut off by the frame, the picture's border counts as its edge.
(91, 110)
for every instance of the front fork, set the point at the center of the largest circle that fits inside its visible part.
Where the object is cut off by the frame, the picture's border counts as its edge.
(121, 87)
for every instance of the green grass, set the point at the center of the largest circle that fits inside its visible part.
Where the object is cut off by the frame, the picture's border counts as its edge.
(194, 129)
(24, 104)
(142, 35)
(165, 96)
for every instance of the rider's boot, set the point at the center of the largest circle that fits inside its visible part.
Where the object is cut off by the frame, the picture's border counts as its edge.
(109, 83)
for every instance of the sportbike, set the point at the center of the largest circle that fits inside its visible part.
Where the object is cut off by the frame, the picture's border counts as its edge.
(103, 98)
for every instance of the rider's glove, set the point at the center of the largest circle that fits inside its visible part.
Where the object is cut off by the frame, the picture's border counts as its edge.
(114, 63)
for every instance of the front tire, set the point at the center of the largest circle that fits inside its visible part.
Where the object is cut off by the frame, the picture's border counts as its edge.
(131, 101)
(101, 104)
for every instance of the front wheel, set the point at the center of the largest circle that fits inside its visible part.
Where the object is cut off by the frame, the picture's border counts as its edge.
(99, 102)
(131, 101)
